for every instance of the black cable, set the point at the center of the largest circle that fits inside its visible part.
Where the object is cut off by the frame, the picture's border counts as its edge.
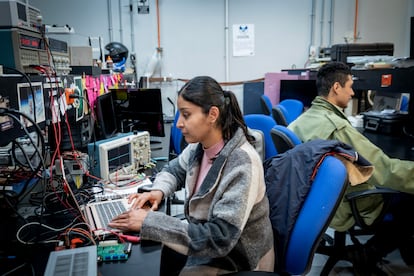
(12, 113)
(11, 206)
(28, 160)
(16, 115)
(172, 103)
(12, 271)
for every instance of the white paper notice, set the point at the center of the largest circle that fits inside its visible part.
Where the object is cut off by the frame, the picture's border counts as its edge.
(243, 40)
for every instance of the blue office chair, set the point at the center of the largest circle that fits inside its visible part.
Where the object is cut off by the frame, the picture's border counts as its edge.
(335, 247)
(323, 199)
(177, 142)
(263, 123)
(287, 111)
(176, 136)
(280, 114)
(266, 104)
(312, 220)
(404, 103)
(294, 108)
(283, 138)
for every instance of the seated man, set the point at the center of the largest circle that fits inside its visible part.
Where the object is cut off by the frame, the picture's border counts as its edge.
(325, 119)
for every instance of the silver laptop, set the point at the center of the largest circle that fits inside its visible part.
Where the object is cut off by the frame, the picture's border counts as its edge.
(99, 214)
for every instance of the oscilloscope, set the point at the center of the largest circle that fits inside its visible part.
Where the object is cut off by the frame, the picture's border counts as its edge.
(121, 154)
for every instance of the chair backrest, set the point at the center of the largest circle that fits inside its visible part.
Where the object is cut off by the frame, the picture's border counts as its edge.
(317, 211)
(279, 113)
(266, 104)
(293, 107)
(404, 103)
(264, 123)
(177, 142)
(258, 141)
(283, 138)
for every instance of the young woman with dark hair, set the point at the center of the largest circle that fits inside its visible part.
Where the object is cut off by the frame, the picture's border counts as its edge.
(227, 226)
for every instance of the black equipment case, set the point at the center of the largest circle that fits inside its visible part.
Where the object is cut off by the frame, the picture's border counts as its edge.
(388, 123)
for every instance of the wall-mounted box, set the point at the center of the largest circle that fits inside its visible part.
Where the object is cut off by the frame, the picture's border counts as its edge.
(81, 56)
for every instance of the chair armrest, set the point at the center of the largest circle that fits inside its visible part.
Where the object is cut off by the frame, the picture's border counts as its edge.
(364, 193)
(353, 197)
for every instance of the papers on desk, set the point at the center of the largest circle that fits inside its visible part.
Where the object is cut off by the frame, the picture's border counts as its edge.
(356, 121)
(389, 111)
(113, 192)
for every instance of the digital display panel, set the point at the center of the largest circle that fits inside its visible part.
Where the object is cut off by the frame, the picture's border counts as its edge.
(30, 42)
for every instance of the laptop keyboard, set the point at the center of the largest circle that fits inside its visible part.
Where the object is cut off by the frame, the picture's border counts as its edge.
(108, 210)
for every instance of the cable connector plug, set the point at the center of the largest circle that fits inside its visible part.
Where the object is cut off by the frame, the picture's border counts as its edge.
(132, 239)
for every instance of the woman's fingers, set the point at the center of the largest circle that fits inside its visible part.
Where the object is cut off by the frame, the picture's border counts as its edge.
(130, 220)
(145, 200)
(138, 200)
(154, 205)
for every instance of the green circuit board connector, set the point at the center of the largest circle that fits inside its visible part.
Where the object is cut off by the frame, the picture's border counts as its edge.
(109, 252)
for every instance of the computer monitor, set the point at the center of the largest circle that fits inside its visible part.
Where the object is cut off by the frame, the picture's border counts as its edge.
(106, 116)
(31, 101)
(26, 96)
(144, 111)
(302, 90)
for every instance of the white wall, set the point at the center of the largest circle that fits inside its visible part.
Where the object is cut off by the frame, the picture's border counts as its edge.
(193, 32)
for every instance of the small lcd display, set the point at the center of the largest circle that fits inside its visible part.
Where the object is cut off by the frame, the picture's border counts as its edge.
(21, 12)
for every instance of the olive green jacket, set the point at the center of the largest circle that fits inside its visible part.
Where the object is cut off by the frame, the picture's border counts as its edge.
(326, 121)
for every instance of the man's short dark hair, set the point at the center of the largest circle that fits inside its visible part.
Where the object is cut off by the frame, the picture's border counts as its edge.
(330, 73)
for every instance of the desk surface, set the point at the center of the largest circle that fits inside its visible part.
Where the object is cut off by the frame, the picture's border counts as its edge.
(145, 257)
(29, 260)
(144, 260)
(395, 146)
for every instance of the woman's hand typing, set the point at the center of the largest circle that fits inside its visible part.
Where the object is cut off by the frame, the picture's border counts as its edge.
(130, 220)
(150, 199)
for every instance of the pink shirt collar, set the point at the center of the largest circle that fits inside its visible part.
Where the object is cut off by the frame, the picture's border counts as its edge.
(212, 152)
